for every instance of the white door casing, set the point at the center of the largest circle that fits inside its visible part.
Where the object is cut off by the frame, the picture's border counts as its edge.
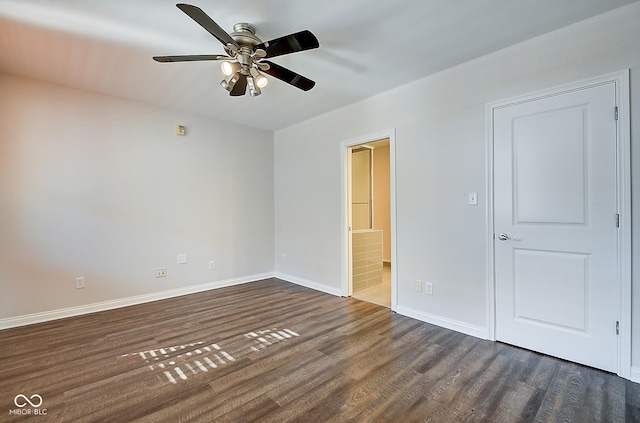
(556, 195)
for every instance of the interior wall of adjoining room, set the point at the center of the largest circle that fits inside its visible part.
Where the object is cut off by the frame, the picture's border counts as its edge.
(98, 187)
(441, 143)
(361, 188)
(382, 195)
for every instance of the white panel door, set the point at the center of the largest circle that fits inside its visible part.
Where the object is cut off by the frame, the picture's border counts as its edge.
(555, 221)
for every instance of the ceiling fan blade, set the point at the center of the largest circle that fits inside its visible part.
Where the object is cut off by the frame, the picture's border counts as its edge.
(293, 43)
(190, 58)
(240, 88)
(288, 76)
(207, 23)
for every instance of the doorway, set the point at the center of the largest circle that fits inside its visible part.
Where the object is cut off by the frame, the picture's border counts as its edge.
(557, 241)
(369, 231)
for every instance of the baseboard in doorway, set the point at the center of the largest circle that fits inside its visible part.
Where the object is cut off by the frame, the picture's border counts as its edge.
(635, 375)
(47, 316)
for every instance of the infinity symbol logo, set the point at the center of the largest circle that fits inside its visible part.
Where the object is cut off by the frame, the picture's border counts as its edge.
(22, 401)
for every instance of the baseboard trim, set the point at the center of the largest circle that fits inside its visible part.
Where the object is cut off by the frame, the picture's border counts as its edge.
(310, 284)
(635, 374)
(458, 326)
(47, 316)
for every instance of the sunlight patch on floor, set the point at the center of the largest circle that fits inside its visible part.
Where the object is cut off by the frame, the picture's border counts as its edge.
(178, 362)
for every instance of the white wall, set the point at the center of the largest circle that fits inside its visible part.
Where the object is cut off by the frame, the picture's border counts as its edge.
(100, 187)
(440, 150)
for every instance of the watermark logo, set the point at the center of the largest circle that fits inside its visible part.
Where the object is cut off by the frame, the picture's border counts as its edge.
(28, 406)
(21, 400)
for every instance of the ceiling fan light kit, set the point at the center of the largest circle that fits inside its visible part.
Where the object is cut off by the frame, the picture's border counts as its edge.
(244, 63)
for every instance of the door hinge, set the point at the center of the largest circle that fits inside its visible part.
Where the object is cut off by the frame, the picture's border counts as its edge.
(617, 220)
(617, 327)
(616, 112)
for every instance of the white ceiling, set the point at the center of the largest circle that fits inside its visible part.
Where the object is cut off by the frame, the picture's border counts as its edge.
(366, 47)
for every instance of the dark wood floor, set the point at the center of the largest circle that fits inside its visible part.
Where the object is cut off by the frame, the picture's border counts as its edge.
(271, 351)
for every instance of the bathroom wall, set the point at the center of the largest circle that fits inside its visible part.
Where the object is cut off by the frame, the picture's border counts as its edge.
(361, 161)
(382, 195)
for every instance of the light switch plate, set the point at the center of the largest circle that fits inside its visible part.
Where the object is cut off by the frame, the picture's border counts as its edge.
(181, 259)
(473, 199)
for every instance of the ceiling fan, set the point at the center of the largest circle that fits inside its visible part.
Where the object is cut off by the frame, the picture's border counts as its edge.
(246, 55)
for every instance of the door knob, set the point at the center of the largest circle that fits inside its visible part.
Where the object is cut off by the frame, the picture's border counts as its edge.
(503, 237)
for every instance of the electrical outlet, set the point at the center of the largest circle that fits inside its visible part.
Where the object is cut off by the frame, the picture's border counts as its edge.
(212, 265)
(161, 273)
(418, 286)
(80, 282)
(428, 288)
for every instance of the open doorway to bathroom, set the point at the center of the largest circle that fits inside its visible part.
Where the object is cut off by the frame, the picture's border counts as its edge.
(369, 204)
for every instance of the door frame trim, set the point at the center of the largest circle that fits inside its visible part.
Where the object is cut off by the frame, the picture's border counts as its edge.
(346, 247)
(623, 181)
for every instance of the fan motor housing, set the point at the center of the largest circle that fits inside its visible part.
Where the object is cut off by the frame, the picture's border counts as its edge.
(245, 35)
